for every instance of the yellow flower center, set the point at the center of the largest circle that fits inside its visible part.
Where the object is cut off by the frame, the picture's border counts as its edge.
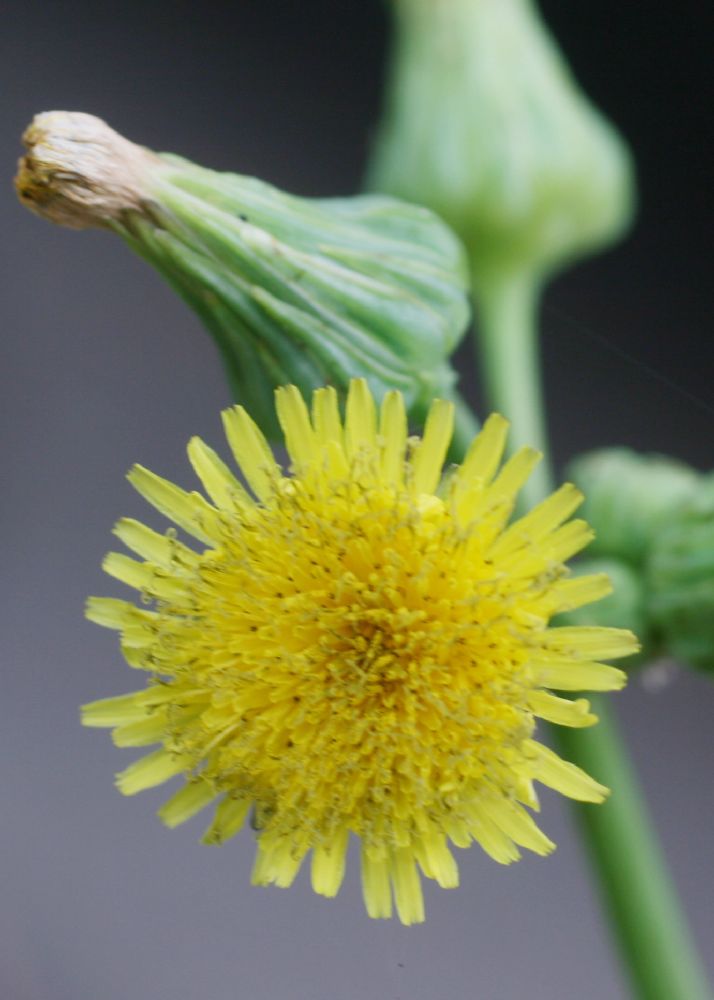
(375, 658)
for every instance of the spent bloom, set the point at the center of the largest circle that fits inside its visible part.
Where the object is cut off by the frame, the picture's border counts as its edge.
(359, 646)
(299, 290)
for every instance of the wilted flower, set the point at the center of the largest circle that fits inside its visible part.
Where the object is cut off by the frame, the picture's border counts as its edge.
(301, 290)
(360, 647)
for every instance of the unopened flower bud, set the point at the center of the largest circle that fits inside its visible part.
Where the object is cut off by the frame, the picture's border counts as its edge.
(630, 499)
(297, 290)
(681, 580)
(484, 123)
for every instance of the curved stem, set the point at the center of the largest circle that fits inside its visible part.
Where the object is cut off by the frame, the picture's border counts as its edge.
(639, 895)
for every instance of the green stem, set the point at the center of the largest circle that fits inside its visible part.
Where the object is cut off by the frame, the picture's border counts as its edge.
(465, 428)
(636, 887)
(506, 313)
(639, 895)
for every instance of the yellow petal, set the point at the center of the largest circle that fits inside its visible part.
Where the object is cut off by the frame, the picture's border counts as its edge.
(513, 475)
(436, 860)
(542, 520)
(142, 732)
(276, 863)
(565, 674)
(186, 802)
(300, 438)
(151, 580)
(360, 419)
(149, 771)
(491, 837)
(228, 820)
(117, 711)
(328, 864)
(251, 451)
(113, 613)
(515, 823)
(485, 452)
(561, 711)
(428, 459)
(565, 777)
(189, 510)
(326, 416)
(407, 886)
(566, 595)
(591, 641)
(393, 436)
(376, 889)
(217, 479)
(164, 550)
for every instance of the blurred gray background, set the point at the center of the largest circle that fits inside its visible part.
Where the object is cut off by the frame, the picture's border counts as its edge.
(102, 366)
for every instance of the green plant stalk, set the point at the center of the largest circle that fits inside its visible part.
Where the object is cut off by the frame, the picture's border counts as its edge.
(465, 427)
(651, 930)
(506, 310)
(637, 891)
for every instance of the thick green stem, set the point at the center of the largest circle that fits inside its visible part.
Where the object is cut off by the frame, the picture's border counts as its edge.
(465, 428)
(636, 887)
(639, 895)
(506, 314)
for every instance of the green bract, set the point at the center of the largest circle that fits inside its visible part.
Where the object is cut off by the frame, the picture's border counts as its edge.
(294, 290)
(630, 499)
(681, 580)
(308, 292)
(654, 522)
(484, 123)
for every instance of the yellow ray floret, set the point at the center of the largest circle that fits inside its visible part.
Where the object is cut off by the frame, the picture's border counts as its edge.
(362, 648)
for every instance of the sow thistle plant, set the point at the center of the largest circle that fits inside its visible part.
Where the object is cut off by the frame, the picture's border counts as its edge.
(365, 641)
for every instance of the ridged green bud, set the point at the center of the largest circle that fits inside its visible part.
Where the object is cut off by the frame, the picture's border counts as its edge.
(681, 580)
(630, 499)
(294, 290)
(484, 123)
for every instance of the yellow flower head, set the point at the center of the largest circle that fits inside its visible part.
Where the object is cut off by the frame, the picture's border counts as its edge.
(361, 647)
